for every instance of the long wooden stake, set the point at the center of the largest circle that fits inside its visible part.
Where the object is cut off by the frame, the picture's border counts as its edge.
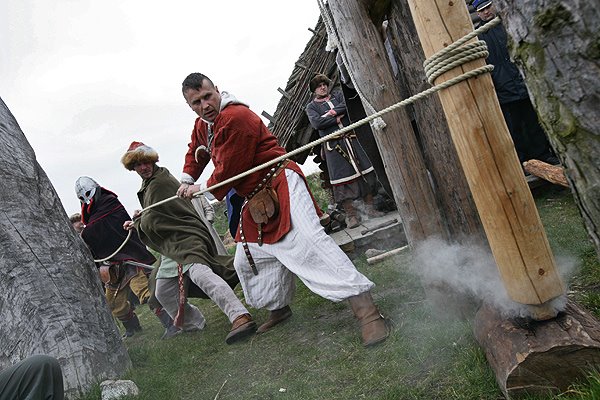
(486, 152)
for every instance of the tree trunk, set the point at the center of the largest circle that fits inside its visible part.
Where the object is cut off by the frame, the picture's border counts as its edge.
(556, 44)
(51, 298)
(367, 60)
(539, 357)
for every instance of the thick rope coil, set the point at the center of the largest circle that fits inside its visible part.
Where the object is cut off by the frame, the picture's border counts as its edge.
(458, 53)
(434, 66)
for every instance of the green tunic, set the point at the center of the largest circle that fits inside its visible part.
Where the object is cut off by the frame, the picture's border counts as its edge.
(175, 230)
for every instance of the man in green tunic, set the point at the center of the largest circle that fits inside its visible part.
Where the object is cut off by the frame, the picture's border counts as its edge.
(188, 252)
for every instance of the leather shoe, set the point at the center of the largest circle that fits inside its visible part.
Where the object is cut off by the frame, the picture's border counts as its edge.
(275, 317)
(242, 327)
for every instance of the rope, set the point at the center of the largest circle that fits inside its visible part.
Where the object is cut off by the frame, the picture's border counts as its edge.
(117, 250)
(377, 124)
(440, 62)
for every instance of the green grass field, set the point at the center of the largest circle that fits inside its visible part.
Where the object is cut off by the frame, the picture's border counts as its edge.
(317, 354)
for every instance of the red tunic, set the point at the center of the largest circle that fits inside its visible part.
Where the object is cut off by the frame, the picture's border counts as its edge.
(241, 142)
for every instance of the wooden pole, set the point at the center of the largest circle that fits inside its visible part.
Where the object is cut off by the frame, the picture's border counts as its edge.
(486, 152)
(367, 59)
(451, 188)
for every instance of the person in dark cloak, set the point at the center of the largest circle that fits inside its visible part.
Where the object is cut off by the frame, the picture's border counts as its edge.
(103, 215)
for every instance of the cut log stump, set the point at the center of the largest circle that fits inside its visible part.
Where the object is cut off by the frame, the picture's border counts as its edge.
(539, 358)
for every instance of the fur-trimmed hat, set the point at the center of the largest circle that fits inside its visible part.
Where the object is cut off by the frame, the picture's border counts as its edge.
(481, 4)
(317, 80)
(138, 152)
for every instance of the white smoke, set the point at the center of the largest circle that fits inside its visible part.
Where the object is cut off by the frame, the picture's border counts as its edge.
(471, 270)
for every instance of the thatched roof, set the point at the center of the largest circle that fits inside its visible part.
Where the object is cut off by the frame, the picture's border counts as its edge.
(289, 122)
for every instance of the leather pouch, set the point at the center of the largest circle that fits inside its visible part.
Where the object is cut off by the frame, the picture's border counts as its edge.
(264, 205)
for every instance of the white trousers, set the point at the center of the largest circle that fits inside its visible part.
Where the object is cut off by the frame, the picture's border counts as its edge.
(167, 293)
(306, 252)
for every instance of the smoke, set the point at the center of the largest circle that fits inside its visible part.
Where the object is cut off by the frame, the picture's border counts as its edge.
(470, 270)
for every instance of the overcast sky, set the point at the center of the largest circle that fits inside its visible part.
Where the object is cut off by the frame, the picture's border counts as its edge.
(84, 78)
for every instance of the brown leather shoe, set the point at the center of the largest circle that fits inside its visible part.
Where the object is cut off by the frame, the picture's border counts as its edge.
(242, 327)
(275, 317)
(373, 327)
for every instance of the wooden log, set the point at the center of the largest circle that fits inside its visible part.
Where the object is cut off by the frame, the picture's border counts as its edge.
(551, 173)
(541, 358)
(451, 189)
(486, 152)
(551, 43)
(387, 254)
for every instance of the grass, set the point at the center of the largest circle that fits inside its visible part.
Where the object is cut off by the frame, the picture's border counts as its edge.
(317, 354)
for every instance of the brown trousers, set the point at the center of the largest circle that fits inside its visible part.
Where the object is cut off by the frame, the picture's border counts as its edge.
(118, 298)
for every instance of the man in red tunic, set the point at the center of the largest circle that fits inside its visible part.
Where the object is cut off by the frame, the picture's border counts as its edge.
(286, 239)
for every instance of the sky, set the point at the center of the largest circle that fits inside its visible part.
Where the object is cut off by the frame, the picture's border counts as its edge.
(85, 78)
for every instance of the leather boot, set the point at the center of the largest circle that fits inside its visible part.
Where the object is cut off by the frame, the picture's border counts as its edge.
(132, 325)
(370, 208)
(242, 327)
(275, 317)
(352, 220)
(372, 324)
(166, 321)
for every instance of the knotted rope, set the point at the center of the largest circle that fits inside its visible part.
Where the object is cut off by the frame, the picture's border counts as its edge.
(456, 54)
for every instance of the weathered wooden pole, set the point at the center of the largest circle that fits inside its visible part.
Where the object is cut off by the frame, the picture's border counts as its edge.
(486, 152)
(397, 143)
(451, 188)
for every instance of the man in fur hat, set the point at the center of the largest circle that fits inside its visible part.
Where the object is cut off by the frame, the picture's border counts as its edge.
(102, 217)
(176, 231)
(280, 235)
(350, 171)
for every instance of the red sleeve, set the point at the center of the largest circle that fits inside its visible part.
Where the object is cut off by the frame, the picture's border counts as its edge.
(191, 166)
(233, 152)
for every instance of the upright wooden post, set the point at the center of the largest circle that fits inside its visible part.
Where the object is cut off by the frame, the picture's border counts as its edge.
(486, 152)
(361, 42)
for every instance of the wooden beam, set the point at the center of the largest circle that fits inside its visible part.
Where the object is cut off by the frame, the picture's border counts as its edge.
(543, 358)
(284, 93)
(552, 173)
(269, 117)
(367, 59)
(486, 152)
